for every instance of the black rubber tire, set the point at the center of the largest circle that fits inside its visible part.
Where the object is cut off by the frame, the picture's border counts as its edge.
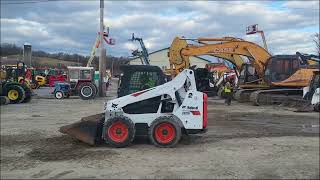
(4, 100)
(165, 119)
(60, 92)
(131, 131)
(97, 90)
(92, 88)
(28, 93)
(36, 84)
(21, 93)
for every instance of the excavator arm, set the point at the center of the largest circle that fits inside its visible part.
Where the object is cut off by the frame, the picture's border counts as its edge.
(178, 62)
(233, 58)
(228, 48)
(244, 48)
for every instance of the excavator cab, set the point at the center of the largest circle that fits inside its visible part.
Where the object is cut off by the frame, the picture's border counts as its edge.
(248, 74)
(281, 67)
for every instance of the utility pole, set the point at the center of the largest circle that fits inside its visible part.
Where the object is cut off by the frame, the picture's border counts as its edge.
(112, 68)
(102, 57)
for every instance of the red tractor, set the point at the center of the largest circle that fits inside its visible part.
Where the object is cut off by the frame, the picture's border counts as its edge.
(81, 80)
(51, 76)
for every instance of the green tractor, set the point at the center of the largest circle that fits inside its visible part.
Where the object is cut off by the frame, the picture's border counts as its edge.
(11, 90)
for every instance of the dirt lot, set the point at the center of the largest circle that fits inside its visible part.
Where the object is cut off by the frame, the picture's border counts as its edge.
(242, 141)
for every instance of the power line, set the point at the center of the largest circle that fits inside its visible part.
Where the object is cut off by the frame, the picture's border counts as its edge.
(26, 2)
(12, 2)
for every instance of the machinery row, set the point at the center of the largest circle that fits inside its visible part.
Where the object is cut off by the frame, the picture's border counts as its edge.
(165, 105)
(17, 81)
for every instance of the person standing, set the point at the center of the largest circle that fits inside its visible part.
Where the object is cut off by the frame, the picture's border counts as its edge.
(228, 93)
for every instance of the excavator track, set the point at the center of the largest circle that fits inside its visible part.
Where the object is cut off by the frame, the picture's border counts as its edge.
(276, 96)
(243, 95)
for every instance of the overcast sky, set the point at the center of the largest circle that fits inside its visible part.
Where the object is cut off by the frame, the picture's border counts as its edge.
(71, 26)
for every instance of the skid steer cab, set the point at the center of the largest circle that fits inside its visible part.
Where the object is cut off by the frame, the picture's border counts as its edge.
(135, 78)
(164, 113)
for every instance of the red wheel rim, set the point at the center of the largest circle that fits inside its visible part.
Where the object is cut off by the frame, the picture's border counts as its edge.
(165, 133)
(118, 132)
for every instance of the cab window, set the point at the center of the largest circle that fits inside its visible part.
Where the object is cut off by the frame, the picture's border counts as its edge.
(85, 74)
(73, 74)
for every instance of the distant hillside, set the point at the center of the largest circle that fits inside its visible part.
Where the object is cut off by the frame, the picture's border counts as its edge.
(10, 53)
(39, 61)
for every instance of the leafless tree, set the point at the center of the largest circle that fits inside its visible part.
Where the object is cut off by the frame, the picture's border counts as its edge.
(316, 40)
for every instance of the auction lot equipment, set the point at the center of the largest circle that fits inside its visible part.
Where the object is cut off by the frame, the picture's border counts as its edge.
(16, 92)
(13, 87)
(277, 77)
(80, 81)
(163, 113)
(311, 93)
(61, 90)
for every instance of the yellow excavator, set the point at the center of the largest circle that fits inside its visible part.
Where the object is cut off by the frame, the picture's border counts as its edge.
(275, 78)
(179, 61)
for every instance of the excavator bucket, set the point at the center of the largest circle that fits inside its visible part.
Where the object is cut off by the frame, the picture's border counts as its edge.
(88, 129)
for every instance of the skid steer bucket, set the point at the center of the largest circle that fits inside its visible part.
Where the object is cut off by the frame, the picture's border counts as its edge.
(88, 129)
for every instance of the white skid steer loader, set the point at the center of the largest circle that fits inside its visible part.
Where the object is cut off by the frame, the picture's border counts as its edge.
(163, 113)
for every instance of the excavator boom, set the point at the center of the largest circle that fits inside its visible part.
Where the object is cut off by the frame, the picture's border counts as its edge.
(179, 61)
(244, 48)
(231, 49)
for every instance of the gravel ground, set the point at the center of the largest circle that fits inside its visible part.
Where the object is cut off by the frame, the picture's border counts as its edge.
(242, 141)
